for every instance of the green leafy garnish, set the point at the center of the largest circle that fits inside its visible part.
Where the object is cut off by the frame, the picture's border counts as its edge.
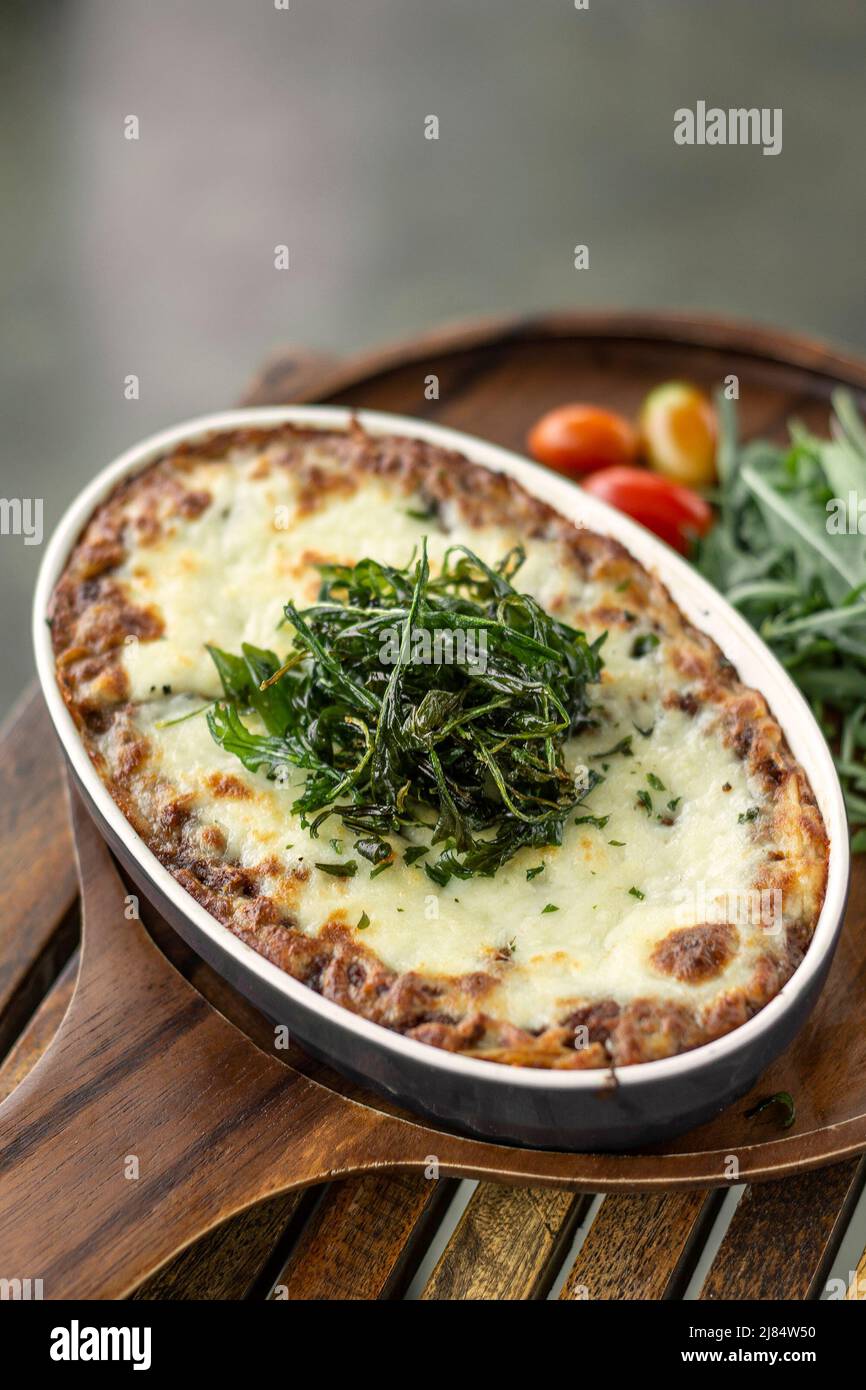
(789, 552)
(551, 907)
(782, 1098)
(645, 800)
(347, 869)
(623, 748)
(750, 815)
(656, 782)
(636, 893)
(533, 873)
(363, 922)
(415, 852)
(374, 849)
(645, 643)
(422, 513)
(598, 821)
(182, 718)
(469, 752)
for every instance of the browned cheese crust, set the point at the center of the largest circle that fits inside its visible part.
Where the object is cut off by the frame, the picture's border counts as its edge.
(91, 618)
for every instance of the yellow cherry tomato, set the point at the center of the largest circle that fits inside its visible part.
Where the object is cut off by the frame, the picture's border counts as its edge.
(678, 432)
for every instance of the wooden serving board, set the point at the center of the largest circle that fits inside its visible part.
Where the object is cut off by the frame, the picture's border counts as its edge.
(152, 1117)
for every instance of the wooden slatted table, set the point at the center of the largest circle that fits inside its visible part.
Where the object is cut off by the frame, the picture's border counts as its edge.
(386, 1237)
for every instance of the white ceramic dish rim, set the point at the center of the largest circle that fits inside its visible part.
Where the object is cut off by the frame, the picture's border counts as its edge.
(696, 598)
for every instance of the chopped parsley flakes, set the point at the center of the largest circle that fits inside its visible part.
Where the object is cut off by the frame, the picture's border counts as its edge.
(645, 643)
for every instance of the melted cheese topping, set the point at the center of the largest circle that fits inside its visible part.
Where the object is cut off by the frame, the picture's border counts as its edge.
(612, 893)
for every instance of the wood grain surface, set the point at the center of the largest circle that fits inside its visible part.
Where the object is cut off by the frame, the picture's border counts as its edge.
(37, 869)
(360, 1241)
(642, 1247)
(508, 1244)
(783, 1236)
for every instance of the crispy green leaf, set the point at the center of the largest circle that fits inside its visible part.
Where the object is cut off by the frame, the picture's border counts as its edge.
(779, 555)
(398, 736)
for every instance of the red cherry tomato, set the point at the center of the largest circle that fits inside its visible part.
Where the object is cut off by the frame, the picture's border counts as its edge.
(672, 512)
(578, 439)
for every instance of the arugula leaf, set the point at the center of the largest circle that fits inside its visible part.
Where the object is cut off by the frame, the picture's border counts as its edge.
(781, 555)
(598, 822)
(623, 748)
(800, 520)
(234, 675)
(415, 852)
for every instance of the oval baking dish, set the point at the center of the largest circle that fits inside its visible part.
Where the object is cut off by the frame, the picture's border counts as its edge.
(589, 1109)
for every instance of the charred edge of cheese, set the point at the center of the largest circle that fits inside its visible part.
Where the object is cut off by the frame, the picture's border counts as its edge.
(208, 543)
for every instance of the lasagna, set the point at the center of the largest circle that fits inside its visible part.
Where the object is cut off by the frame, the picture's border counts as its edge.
(675, 896)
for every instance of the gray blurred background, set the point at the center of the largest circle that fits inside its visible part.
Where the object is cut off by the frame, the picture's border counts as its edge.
(306, 127)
